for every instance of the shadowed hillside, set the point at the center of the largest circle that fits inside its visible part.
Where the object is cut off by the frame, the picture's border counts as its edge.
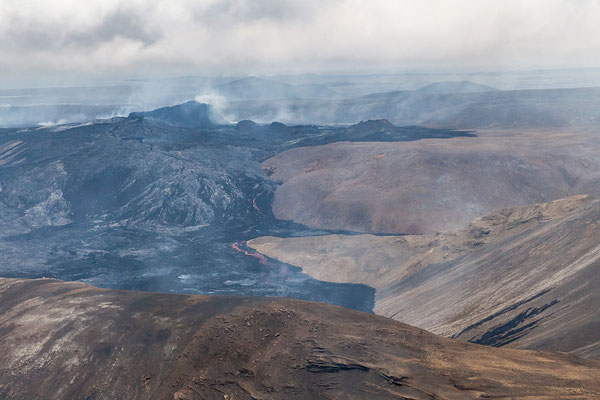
(63, 340)
(523, 277)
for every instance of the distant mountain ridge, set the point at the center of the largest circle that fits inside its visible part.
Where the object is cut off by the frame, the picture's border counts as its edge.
(455, 87)
(263, 89)
(505, 109)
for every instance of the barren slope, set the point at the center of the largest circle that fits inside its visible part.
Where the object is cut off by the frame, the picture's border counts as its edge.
(430, 185)
(68, 340)
(525, 277)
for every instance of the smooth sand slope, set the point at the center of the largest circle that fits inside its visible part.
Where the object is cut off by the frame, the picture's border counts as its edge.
(430, 185)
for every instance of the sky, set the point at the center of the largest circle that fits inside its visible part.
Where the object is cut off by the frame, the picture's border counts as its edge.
(92, 39)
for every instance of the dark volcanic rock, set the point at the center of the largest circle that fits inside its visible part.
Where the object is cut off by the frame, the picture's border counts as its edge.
(139, 203)
(247, 125)
(278, 127)
(73, 341)
(372, 126)
(188, 115)
(136, 204)
(382, 130)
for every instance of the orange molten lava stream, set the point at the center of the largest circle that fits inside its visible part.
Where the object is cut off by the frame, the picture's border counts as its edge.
(262, 259)
(257, 208)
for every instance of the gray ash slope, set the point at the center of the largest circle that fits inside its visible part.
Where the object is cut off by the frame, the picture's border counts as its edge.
(159, 201)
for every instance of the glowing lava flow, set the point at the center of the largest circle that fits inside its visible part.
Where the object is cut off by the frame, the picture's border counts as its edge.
(256, 207)
(262, 259)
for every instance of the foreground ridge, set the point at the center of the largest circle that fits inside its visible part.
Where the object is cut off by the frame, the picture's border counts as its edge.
(64, 340)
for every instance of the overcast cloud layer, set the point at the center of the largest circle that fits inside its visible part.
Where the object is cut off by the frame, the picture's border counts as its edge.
(134, 37)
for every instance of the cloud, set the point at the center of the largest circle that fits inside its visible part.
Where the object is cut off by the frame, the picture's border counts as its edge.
(135, 37)
(74, 29)
(258, 10)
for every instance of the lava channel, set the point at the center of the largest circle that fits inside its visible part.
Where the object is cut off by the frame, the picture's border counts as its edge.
(256, 207)
(262, 259)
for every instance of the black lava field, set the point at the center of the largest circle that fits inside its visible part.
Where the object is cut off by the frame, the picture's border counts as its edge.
(161, 201)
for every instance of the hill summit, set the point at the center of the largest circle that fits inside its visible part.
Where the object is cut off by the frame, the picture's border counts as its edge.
(187, 115)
